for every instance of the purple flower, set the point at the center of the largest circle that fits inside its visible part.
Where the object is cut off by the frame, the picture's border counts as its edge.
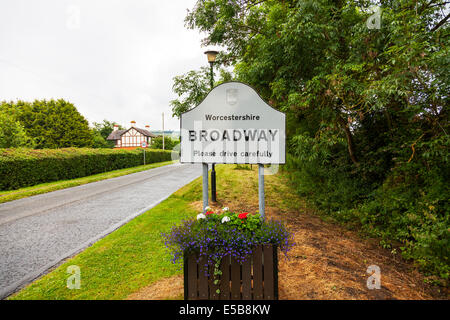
(212, 239)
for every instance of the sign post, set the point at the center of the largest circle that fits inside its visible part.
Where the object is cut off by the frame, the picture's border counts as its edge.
(205, 185)
(261, 195)
(233, 125)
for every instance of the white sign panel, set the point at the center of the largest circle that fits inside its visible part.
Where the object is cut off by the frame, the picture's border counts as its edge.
(233, 125)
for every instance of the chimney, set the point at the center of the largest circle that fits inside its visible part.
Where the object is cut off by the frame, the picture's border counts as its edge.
(147, 127)
(133, 124)
(116, 127)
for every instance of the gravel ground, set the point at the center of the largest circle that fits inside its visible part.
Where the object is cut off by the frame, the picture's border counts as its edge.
(38, 232)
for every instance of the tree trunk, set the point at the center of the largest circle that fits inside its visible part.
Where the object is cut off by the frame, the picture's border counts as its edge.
(349, 137)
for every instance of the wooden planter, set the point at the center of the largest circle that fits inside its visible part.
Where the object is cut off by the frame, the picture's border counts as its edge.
(255, 279)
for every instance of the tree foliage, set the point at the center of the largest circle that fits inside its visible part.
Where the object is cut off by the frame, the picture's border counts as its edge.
(193, 87)
(51, 123)
(101, 131)
(367, 108)
(12, 133)
(169, 143)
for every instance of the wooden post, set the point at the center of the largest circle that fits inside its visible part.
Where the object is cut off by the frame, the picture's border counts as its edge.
(205, 185)
(261, 190)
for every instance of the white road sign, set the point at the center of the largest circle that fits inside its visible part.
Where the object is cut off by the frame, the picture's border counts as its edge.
(233, 125)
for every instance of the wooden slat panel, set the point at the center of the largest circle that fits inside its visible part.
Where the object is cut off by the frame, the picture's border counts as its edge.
(269, 287)
(247, 279)
(235, 279)
(202, 280)
(192, 277)
(275, 273)
(257, 274)
(185, 276)
(213, 287)
(251, 280)
(225, 279)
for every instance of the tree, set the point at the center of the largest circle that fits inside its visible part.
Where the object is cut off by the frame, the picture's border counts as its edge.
(317, 59)
(99, 141)
(12, 133)
(169, 143)
(102, 131)
(367, 109)
(193, 87)
(52, 123)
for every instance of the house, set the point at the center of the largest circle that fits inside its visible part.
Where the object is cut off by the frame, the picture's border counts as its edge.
(131, 138)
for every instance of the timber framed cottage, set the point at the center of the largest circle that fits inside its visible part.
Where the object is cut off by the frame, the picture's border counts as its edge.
(131, 138)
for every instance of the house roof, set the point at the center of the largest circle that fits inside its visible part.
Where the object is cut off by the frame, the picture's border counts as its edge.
(116, 135)
(146, 132)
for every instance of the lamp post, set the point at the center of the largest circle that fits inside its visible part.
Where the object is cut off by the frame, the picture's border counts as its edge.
(163, 129)
(211, 55)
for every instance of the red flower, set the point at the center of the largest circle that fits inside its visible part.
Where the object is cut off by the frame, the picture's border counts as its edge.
(209, 212)
(243, 215)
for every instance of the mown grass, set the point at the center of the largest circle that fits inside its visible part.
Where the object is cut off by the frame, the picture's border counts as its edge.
(134, 256)
(124, 261)
(6, 196)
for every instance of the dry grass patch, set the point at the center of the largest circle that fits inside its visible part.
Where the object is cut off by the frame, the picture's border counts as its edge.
(327, 262)
(165, 289)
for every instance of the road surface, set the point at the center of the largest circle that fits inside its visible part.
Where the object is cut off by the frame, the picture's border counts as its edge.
(38, 232)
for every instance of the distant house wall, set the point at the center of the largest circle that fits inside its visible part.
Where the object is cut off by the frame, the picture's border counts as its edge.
(133, 139)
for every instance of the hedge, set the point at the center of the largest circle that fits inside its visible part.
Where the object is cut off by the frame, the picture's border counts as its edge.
(27, 167)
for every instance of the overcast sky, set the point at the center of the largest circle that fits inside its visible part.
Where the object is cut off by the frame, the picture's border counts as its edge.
(114, 59)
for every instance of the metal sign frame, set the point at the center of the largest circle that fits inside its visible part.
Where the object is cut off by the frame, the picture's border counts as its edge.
(232, 100)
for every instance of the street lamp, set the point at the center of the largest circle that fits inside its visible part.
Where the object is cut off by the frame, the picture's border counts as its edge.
(211, 55)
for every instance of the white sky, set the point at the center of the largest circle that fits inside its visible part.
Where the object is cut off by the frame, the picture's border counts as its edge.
(114, 59)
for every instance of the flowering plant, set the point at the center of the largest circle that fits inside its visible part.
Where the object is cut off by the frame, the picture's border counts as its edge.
(216, 235)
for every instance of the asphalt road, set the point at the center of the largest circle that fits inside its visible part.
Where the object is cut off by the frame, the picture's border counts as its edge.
(38, 232)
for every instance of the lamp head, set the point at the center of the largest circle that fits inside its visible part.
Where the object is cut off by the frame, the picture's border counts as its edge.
(211, 55)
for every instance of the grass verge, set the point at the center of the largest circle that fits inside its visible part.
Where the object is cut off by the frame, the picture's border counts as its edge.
(327, 262)
(6, 196)
(134, 256)
(124, 261)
